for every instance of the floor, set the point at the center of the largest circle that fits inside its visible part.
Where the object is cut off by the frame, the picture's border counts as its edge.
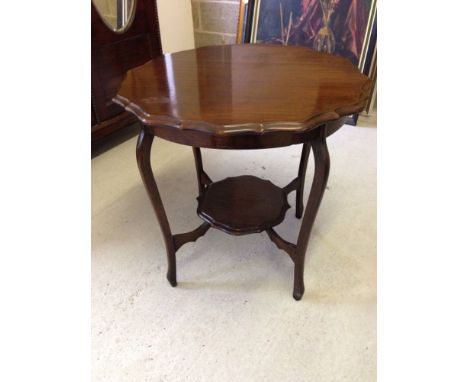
(232, 316)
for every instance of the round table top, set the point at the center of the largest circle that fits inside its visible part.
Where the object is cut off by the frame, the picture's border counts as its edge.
(250, 89)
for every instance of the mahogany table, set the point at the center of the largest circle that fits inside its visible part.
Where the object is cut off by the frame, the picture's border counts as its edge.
(243, 97)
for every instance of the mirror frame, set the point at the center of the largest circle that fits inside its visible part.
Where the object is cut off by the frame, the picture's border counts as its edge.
(129, 22)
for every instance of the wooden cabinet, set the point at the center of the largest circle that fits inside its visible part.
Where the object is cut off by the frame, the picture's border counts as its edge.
(112, 54)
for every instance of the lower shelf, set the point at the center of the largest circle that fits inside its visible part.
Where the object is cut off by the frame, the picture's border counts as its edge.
(242, 205)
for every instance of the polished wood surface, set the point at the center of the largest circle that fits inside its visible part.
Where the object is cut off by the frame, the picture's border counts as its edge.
(112, 55)
(244, 97)
(243, 204)
(238, 89)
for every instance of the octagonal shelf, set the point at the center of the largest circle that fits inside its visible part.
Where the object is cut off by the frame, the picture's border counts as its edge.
(242, 205)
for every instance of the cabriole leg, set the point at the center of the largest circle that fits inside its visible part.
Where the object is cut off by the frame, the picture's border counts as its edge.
(322, 169)
(301, 176)
(143, 155)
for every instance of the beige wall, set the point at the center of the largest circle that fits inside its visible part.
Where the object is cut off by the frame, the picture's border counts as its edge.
(176, 25)
(175, 22)
(215, 21)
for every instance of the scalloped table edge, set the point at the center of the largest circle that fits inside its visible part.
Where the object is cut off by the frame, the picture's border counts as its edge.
(246, 128)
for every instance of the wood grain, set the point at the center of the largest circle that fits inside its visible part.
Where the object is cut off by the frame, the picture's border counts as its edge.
(242, 205)
(244, 89)
(244, 97)
(112, 55)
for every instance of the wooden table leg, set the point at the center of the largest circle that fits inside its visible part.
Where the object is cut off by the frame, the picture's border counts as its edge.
(172, 242)
(295, 251)
(202, 178)
(143, 155)
(322, 169)
(301, 177)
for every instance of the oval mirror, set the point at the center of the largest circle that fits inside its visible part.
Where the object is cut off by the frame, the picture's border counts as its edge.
(116, 14)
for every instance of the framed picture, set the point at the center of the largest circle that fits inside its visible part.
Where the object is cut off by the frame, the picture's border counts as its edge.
(241, 29)
(373, 76)
(344, 27)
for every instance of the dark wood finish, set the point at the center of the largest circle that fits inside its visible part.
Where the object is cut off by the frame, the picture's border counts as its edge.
(203, 179)
(293, 185)
(322, 169)
(262, 93)
(112, 55)
(242, 205)
(109, 142)
(241, 141)
(290, 95)
(301, 177)
(93, 116)
(183, 238)
(286, 246)
(143, 154)
(101, 131)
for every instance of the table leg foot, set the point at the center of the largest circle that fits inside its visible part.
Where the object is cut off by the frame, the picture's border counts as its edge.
(299, 288)
(297, 294)
(172, 276)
